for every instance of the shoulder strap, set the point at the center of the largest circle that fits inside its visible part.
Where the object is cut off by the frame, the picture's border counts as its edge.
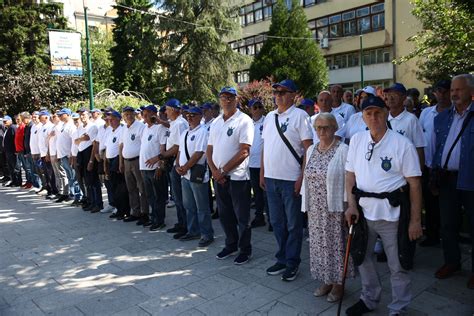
(186, 146)
(464, 125)
(287, 143)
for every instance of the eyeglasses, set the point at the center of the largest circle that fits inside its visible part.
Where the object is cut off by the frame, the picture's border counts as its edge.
(280, 92)
(370, 151)
(323, 128)
(227, 98)
(257, 107)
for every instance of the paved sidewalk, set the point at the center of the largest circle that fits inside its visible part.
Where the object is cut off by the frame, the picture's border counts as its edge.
(58, 260)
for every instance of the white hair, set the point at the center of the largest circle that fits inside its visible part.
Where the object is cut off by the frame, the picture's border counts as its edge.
(328, 117)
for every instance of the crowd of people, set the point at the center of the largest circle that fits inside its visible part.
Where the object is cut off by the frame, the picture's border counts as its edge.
(372, 161)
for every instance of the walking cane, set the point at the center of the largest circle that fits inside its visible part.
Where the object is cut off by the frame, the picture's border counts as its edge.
(346, 262)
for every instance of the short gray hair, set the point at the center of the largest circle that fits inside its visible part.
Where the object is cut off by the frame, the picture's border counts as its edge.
(328, 117)
(468, 77)
(25, 115)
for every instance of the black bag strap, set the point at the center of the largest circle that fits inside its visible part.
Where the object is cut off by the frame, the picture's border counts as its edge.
(287, 143)
(186, 146)
(464, 125)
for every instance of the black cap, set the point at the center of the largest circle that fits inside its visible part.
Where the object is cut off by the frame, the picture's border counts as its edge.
(445, 84)
(372, 101)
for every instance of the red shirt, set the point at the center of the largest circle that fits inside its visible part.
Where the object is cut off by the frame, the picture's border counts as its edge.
(19, 137)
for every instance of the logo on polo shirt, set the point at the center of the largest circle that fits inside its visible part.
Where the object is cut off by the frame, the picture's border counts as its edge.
(149, 137)
(167, 134)
(36, 132)
(284, 126)
(193, 137)
(132, 137)
(62, 130)
(341, 114)
(401, 132)
(114, 139)
(230, 131)
(44, 130)
(386, 163)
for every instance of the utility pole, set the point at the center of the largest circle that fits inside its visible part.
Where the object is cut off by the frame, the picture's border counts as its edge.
(89, 62)
(361, 63)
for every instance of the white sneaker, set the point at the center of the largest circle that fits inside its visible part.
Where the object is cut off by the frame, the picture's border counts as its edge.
(108, 209)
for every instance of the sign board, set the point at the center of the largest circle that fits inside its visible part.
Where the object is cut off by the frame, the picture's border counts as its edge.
(65, 51)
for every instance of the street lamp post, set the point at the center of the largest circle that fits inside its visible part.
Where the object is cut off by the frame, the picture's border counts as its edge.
(89, 62)
(361, 63)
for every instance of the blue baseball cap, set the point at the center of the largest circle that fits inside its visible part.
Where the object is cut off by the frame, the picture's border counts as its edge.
(128, 108)
(115, 113)
(75, 116)
(96, 110)
(46, 113)
(398, 87)
(206, 106)
(7, 118)
(252, 102)
(35, 113)
(307, 102)
(195, 110)
(174, 103)
(288, 84)
(150, 107)
(185, 108)
(82, 110)
(64, 111)
(163, 109)
(107, 109)
(373, 101)
(369, 90)
(228, 90)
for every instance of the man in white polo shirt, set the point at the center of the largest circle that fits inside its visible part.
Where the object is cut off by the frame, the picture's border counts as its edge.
(43, 144)
(356, 123)
(381, 163)
(230, 138)
(112, 172)
(130, 166)
(153, 143)
(340, 108)
(35, 152)
(286, 137)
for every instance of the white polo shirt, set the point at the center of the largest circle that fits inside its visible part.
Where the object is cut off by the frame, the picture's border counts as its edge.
(208, 124)
(152, 138)
(53, 139)
(112, 142)
(427, 124)
(226, 136)
(177, 127)
(34, 145)
(74, 147)
(394, 158)
(407, 124)
(196, 141)
(102, 136)
(344, 110)
(339, 132)
(256, 148)
(91, 130)
(354, 125)
(43, 141)
(278, 161)
(64, 139)
(131, 139)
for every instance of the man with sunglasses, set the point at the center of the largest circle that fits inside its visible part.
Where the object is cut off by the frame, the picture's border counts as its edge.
(230, 138)
(286, 136)
(382, 163)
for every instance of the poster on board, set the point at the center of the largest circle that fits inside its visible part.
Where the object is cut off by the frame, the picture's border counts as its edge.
(65, 51)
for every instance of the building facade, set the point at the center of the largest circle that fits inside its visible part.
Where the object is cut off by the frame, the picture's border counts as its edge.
(341, 28)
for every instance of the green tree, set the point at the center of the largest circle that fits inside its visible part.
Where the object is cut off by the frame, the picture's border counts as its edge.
(445, 46)
(134, 56)
(196, 59)
(24, 36)
(291, 57)
(100, 44)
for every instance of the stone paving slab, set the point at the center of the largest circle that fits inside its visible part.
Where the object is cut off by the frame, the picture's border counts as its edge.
(58, 260)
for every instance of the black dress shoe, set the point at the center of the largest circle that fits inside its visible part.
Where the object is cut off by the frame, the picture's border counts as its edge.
(114, 215)
(358, 309)
(76, 203)
(381, 257)
(180, 234)
(95, 209)
(258, 221)
(62, 198)
(142, 220)
(130, 218)
(156, 227)
(215, 215)
(175, 229)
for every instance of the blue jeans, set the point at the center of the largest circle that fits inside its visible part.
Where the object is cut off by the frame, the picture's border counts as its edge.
(178, 198)
(198, 213)
(286, 219)
(27, 167)
(74, 189)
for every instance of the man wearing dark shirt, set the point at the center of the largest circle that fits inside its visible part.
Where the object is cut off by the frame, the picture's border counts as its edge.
(10, 150)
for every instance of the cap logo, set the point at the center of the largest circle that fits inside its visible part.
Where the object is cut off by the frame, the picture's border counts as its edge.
(386, 163)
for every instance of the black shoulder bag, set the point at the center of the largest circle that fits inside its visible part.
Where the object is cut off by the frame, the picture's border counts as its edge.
(197, 171)
(287, 143)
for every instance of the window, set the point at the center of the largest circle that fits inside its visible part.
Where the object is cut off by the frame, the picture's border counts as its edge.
(376, 8)
(373, 56)
(363, 25)
(307, 3)
(267, 12)
(258, 11)
(336, 30)
(378, 22)
(323, 32)
(322, 22)
(350, 28)
(362, 12)
(348, 15)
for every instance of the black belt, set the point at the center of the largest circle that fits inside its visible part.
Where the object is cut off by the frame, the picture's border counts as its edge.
(131, 159)
(392, 197)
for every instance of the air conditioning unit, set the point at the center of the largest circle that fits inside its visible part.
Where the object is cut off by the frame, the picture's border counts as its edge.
(324, 43)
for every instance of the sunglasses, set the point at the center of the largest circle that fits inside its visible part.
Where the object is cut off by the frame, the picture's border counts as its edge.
(280, 92)
(191, 115)
(257, 107)
(227, 98)
(370, 151)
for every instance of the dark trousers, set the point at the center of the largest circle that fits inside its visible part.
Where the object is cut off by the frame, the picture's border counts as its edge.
(3, 165)
(91, 178)
(258, 193)
(432, 213)
(118, 188)
(13, 168)
(156, 192)
(50, 179)
(450, 202)
(233, 202)
(178, 198)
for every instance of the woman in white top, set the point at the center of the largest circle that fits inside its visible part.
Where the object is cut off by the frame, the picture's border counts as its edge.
(323, 199)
